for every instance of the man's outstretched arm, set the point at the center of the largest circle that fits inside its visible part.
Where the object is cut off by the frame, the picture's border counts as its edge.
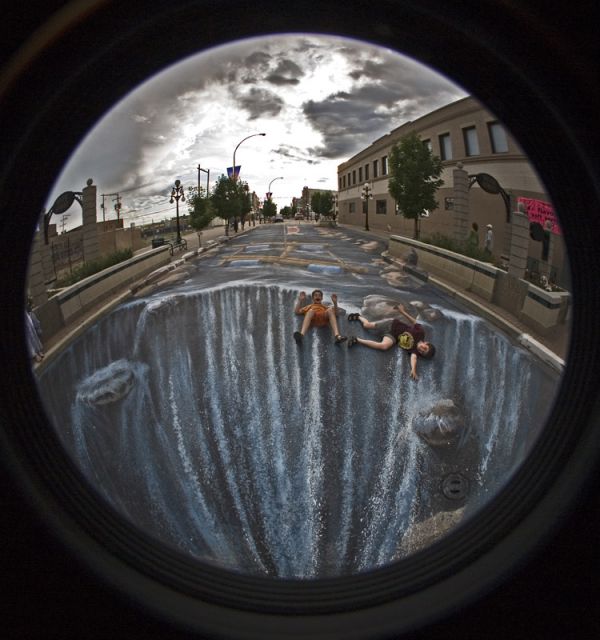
(300, 303)
(413, 366)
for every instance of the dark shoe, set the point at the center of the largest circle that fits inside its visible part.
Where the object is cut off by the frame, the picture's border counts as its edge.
(352, 340)
(339, 339)
(298, 337)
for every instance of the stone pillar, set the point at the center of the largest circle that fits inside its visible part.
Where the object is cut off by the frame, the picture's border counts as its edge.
(36, 279)
(460, 210)
(91, 244)
(519, 246)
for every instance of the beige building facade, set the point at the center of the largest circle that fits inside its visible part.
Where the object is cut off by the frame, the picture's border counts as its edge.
(465, 136)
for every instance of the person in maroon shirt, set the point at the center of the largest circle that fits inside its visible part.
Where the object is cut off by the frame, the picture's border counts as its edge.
(409, 337)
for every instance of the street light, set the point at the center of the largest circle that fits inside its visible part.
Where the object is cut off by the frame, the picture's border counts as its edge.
(233, 176)
(176, 194)
(366, 195)
(270, 183)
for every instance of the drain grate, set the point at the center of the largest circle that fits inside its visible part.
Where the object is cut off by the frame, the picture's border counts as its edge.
(455, 486)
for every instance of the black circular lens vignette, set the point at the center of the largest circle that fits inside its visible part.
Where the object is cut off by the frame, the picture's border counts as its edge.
(74, 567)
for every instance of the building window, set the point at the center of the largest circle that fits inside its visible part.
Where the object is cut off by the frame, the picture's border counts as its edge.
(360, 175)
(366, 172)
(471, 141)
(384, 169)
(340, 182)
(354, 176)
(445, 147)
(343, 182)
(349, 176)
(381, 206)
(375, 168)
(498, 137)
(427, 144)
(352, 207)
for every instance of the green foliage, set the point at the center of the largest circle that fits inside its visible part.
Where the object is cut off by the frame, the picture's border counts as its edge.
(465, 247)
(414, 177)
(321, 202)
(90, 268)
(269, 208)
(230, 198)
(200, 209)
(286, 212)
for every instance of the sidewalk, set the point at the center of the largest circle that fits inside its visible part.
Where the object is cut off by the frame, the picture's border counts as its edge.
(208, 235)
(557, 342)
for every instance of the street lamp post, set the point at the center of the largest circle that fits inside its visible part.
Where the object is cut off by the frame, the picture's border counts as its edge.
(176, 194)
(233, 176)
(366, 195)
(270, 183)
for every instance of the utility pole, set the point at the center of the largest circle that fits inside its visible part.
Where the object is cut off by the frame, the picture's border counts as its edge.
(117, 205)
(207, 172)
(64, 221)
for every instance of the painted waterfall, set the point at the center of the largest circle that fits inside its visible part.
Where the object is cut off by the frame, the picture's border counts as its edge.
(197, 417)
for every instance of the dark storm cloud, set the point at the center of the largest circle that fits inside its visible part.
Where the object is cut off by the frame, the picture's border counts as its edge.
(345, 123)
(259, 102)
(287, 72)
(276, 79)
(404, 78)
(294, 153)
(387, 93)
(257, 59)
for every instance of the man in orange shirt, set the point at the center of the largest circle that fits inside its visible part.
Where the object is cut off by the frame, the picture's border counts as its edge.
(317, 314)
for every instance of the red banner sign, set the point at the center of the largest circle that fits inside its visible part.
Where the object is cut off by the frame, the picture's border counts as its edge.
(542, 212)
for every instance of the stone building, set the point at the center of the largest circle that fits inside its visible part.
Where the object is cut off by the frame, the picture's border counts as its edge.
(470, 141)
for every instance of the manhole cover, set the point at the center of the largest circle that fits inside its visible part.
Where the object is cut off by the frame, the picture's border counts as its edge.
(455, 486)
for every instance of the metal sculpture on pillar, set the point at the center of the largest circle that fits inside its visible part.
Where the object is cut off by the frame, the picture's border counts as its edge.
(176, 194)
(61, 204)
(490, 185)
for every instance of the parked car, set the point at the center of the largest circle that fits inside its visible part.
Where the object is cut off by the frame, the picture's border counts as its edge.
(298, 216)
(278, 218)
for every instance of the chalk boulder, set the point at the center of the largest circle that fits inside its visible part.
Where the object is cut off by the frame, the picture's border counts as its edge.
(107, 385)
(440, 425)
(163, 304)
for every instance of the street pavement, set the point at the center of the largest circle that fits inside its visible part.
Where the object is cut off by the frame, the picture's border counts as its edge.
(292, 233)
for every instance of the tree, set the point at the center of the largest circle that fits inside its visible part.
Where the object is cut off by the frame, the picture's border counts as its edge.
(230, 199)
(414, 178)
(321, 202)
(246, 202)
(286, 212)
(200, 209)
(269, 208)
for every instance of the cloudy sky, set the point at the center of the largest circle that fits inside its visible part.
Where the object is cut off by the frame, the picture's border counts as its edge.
(318, 99)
